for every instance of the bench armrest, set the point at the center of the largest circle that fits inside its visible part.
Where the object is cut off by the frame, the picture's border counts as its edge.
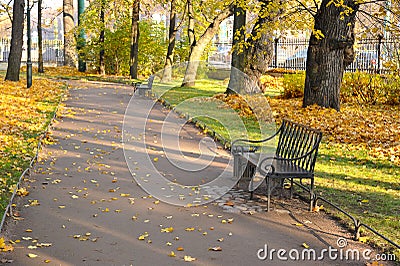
(243, 149)
(251, 141)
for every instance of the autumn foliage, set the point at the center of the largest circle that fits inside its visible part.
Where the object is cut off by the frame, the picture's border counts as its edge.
(24, 115)
(372, 127)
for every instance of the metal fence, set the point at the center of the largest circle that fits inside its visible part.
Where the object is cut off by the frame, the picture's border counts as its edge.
(371, 55)
(52, 51)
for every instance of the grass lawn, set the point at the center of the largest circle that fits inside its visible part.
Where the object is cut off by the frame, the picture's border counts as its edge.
(24, 116)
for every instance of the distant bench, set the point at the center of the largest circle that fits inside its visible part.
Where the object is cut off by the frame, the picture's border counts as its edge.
(144, 87)
(294, 157)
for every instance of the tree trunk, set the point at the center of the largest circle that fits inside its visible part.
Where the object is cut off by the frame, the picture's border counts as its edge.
(134, 40)
(237, 62)
(40, 38)
(102, 67)
(14, 59)
(69, 40)
(259, 54)
(200, 45)
(330, 54)
(167, 73)
(191, 22)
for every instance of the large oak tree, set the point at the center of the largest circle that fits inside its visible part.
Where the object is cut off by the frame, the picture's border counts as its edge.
(330, 51)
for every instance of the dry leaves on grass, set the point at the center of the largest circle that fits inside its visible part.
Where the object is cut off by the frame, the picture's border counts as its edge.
(374, 127)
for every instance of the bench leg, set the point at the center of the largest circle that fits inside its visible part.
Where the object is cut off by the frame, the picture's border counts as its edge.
(291, 187)
(268, 180)
(312, 195)
(237, 165)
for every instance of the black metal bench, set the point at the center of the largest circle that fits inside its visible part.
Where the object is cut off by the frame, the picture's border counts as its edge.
(144, 88)
(294, 157)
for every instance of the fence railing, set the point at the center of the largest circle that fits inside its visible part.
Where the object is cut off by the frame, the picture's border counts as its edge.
(52, 51)
(371, 55)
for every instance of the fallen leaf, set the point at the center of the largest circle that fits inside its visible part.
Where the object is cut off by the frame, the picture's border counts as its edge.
(8, 248)
(180, 249)
(189, 258)
(167, 230)
(189, 229)
(215, 249)
(305, 245)
(172, 254)
(298, 224)
(31, 255)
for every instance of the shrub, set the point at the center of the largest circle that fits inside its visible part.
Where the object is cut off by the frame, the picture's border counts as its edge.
(293, 85)
(370, 88)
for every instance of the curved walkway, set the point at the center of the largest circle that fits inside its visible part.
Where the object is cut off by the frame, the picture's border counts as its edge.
(84, 207)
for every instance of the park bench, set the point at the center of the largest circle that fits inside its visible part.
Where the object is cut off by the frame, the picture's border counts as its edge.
(144, 88)
(294, 157)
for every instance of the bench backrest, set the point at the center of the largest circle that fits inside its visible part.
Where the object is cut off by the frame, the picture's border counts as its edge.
(150, 81)
(296, 140)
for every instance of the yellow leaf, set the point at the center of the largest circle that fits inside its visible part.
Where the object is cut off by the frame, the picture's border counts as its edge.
(298, 224)
(167, 230)
(189, 229)
(31, 255)
(2, 243)
(365, 201)
(180, 249)
(172, 254)
(155, 159)
(7, 248)
(363, 239)
(188, 258)
(305, 245)
(47, 261)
